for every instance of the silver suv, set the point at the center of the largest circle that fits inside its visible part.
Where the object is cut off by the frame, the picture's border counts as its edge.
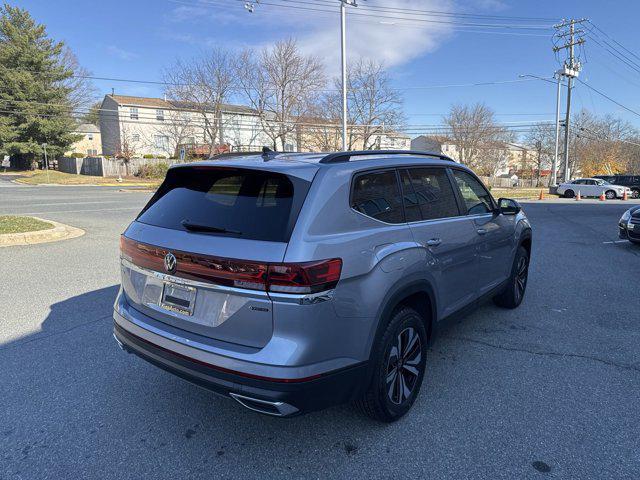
(292, 282)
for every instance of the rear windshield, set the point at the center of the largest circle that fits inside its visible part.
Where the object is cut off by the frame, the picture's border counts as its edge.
(243, 203)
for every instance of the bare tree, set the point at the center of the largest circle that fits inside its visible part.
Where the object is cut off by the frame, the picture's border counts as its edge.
(474, 132)
(203, 85)
(373, 106)
(541, 139)
(82, 92)
(281, 84)
(126, 148)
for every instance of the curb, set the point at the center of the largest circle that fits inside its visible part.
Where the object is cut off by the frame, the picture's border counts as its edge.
(60, 231)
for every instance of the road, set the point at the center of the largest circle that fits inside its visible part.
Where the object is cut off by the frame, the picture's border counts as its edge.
(546, 391)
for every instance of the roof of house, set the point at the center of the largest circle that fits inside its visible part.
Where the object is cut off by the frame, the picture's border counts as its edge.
(87, 128)
(140, 101)
(154, 102)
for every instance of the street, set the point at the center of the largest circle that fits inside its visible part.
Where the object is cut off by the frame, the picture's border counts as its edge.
(549, 390)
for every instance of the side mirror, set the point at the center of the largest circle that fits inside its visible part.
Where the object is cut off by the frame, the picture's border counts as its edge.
(506, 206)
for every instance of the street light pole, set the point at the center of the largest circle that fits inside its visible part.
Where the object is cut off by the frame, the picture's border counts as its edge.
(46, 162)
(343, 44)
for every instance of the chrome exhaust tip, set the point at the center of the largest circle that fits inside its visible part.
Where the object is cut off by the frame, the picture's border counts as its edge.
(276, 409)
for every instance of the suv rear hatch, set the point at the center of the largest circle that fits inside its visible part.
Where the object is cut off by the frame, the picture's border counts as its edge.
(198, 255)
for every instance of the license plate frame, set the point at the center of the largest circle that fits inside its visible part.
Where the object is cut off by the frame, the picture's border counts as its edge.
(178, 298)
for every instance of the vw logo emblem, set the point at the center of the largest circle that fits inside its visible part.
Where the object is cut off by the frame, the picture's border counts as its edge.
(170, 262)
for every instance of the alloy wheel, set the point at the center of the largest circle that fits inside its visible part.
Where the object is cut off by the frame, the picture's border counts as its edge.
(522, 272)
(610, 195)
(403, 366)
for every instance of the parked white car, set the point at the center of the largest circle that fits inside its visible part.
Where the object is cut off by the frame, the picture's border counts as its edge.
(592, 187)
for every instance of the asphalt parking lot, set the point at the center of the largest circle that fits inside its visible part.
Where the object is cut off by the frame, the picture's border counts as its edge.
(549, 390)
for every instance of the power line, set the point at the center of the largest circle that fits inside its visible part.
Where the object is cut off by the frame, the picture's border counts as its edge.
(179, 84)
(609, 98)
(389, 17)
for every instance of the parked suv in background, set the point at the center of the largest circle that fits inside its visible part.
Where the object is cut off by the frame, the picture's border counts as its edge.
(292, 282)
(631, 181)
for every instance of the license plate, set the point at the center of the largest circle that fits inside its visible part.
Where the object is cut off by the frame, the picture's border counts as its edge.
(178, 298)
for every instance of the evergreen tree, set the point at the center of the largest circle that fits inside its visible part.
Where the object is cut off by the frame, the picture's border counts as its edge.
(34, 95)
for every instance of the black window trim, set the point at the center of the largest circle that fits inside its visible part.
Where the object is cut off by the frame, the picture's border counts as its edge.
(456, 189)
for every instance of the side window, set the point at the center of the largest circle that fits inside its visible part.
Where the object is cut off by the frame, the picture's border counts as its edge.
(428, 194)
(475, 196)
(377, 195)
(578, 182)
(591, 182)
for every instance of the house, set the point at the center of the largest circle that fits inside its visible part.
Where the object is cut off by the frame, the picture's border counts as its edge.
(138, 126)
(435, 145)
(90, 143)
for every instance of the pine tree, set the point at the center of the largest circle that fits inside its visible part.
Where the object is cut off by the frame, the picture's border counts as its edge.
(34, 98)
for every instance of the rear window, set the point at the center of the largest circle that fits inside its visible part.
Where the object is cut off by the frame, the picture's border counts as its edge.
(243, 203)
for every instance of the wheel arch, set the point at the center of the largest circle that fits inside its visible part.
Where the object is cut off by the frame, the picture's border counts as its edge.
(419, 295)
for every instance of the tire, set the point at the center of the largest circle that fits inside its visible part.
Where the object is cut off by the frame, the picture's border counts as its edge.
(635, 193)
(512, 295)
(610, 195)
(569, 194)
(385, 399)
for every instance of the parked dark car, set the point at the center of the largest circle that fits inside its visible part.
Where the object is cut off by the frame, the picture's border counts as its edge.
(631, 181)
(629, 225)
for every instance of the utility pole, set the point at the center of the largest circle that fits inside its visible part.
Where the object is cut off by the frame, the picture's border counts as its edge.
(554, 166)
(343, 45)
(571, 70)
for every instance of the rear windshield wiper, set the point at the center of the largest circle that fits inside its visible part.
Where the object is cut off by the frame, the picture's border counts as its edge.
(196, 227)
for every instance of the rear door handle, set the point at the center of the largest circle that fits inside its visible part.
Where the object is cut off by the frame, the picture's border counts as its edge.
(434, 242)
(481, 231)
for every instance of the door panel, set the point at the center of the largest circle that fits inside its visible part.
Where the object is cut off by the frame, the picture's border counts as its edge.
(451, 258)
(494, 232)
(447, 237)
(494, 248)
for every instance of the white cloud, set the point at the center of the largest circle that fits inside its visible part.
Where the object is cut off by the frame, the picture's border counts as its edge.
(121, 53)
(392, 41)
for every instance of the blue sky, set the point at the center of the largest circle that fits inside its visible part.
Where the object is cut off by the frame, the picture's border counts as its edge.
(139, 38)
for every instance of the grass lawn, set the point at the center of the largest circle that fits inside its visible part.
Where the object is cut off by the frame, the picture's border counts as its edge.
(519, 192)
(15, 224)
(39, 177)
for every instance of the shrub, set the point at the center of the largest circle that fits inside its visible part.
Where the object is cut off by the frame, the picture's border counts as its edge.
(147, 156)
(154, 170)
(77, 155)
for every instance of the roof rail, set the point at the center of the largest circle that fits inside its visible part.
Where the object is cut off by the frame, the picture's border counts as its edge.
(339, 157)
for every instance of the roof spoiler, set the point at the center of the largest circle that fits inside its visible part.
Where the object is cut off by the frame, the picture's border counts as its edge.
(338, 157)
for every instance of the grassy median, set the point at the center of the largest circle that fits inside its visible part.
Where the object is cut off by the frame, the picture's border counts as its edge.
(39, 177)
(16, 224)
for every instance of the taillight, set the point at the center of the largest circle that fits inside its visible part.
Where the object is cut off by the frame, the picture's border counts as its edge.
(309, 277)
(306, 277)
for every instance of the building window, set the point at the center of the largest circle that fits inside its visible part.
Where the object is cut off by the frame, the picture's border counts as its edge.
(133, 113)
(160, 115)
(90, 136)
(190, 140)
(135, 137)
(161, 141)
(92, 152)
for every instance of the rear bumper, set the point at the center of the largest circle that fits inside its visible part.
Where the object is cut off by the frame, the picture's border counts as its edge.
(280, 398)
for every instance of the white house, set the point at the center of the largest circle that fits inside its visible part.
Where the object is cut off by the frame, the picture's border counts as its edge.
(154, 126)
